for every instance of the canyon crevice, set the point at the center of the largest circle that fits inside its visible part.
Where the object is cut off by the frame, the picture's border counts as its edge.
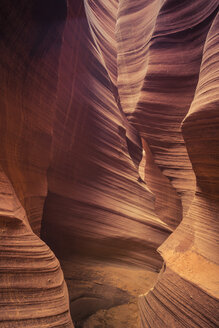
(109, 163)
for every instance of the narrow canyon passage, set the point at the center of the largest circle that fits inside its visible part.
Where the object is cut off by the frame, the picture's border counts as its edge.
(109, 164)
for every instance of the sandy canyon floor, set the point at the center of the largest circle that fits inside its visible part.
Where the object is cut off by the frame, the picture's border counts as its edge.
(107, 293)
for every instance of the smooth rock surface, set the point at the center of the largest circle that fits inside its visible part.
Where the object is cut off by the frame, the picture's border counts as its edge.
(109, 150)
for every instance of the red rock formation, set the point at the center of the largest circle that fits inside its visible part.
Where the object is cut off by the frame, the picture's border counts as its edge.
(30, 47)
(171, 64)
(33, 291)
(83, 88)
(90, 156)
(134, 28)
(64, 136)
(187, 290)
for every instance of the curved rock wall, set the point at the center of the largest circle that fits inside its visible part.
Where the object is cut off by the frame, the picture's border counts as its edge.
(65, 139)
(85, 87)
(30, 47)
(166, 50)
(190, 277)
(101, 208)
(187, 288)
(33, 291)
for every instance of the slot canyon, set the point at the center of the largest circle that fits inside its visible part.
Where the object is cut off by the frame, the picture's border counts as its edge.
(109, 164)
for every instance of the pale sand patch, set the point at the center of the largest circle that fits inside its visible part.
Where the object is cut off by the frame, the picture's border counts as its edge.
(122, 316)
(133, 280)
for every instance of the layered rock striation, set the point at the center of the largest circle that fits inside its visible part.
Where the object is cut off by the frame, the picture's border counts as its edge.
(33, 290)
(108, 152)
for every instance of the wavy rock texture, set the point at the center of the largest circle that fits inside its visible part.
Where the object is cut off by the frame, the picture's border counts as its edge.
(167, 92)
(91, 156)
(187, 291)
(158, 69)
(102, 209)
(85, 86)
(33, 291)
(30, 48)
(134, 29)
(64, 138)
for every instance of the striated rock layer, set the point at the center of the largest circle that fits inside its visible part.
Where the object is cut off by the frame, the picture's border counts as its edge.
(97, 206)
(33, 291)
(187, 291)
(109, 143)
(30, 48)
(101, 207)
(68, 150)
(155, 91)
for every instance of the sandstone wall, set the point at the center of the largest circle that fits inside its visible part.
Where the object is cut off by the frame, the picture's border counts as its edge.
(87, 88)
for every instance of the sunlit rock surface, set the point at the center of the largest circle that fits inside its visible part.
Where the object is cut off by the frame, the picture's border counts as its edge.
(101, 207)
(109, 143)
(188, 288)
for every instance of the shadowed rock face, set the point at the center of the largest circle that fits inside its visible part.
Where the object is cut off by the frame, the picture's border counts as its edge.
(33, 291)
(109, 143)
